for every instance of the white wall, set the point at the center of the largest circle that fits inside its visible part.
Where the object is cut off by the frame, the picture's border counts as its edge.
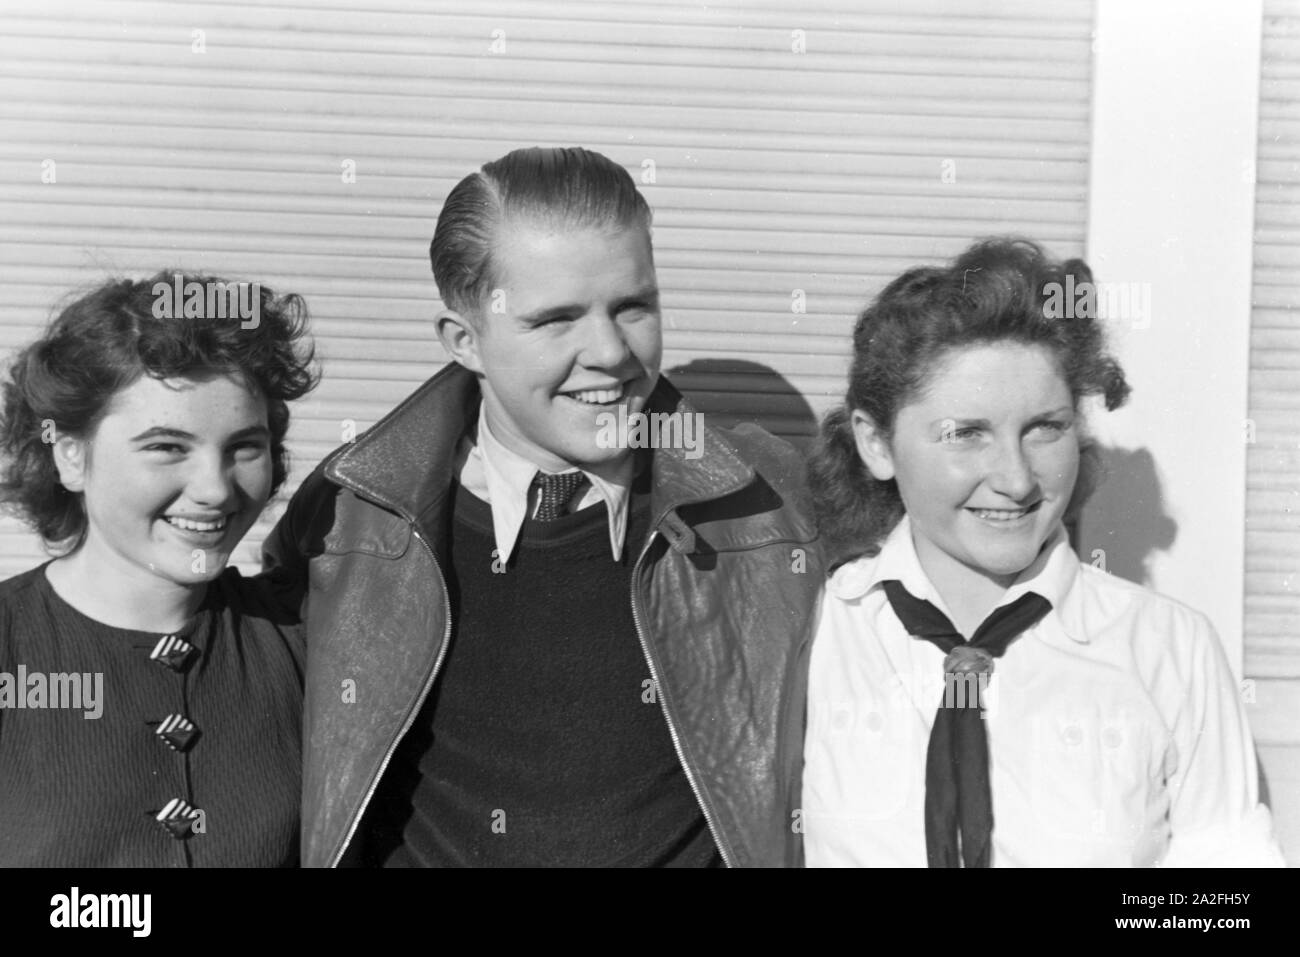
(1175, 104)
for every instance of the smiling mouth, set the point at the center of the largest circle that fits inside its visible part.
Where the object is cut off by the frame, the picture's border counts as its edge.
(598, 396)
(190, 525)
(1003, 514)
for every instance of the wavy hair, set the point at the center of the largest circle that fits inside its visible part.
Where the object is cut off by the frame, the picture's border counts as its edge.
(998, 290)
(105, 341)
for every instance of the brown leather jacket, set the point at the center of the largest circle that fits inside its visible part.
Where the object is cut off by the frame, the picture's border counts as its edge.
(723, 594)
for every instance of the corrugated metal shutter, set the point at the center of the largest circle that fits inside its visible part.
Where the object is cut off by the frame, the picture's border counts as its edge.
(1273, 460)
(796, 154)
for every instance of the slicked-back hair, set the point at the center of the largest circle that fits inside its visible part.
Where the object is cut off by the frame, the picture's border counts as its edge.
(995, 291)
(568, 188)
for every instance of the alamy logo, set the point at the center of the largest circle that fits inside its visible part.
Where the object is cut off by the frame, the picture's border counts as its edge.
(76, 909)
(211, 300)
(1107, 301)
(652, 430)
(65, 690)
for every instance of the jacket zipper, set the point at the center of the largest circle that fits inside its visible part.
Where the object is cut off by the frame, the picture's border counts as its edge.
(663, 703)
(406, 726)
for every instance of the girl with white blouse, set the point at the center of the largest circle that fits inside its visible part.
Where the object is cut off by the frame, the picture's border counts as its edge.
(978, 696)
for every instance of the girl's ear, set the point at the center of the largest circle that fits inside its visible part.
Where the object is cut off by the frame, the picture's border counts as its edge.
(70, 460)
(873, 446)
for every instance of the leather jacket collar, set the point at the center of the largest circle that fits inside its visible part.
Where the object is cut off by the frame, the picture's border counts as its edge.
(405, 461)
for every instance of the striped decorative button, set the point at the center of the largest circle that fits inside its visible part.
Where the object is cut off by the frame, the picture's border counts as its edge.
(176, 653)
(177, 732)
(179, 818)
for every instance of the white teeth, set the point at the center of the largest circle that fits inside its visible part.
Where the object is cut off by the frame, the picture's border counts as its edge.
(1000, 515)
(597, 396)
(192, 526)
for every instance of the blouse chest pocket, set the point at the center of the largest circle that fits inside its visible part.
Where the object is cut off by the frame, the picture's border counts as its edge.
(871, 749)
(1094, 771)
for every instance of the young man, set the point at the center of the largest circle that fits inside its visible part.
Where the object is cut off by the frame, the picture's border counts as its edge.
(534, 640)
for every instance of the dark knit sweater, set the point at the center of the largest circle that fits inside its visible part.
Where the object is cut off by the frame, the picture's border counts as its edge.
(83, 792)
(543, 742)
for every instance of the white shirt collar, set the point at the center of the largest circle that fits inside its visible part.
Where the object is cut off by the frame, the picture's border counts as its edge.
(1052, 574)
(502, 478)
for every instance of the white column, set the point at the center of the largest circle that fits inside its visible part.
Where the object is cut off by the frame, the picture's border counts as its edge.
(1171, 206)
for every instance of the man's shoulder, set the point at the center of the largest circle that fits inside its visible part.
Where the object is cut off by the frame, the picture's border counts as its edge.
(759, 446)
(754, 445)
(776, 460)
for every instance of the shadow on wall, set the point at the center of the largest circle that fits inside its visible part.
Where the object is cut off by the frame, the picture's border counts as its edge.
(1127, 521)
(729, 391)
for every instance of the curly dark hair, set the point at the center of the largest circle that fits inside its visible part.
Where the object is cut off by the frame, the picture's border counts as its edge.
(105, 341)
(998, 290)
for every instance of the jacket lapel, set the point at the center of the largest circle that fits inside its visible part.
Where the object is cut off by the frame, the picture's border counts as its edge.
(405, 461)
(678, 480)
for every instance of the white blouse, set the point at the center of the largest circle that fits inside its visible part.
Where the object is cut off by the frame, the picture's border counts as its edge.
(1116, 732)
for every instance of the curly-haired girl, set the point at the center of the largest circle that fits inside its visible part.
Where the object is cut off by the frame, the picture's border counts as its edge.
(150, 696)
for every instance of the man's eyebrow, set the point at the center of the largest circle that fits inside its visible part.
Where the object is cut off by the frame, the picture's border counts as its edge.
(551, 312)
(645, 294)
(649, 296)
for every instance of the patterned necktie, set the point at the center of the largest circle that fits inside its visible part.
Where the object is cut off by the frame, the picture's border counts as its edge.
(957, 793)
(555, 492)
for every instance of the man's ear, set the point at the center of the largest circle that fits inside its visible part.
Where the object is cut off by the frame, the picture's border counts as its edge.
(873, 446)
(459, 336)
(70, 460)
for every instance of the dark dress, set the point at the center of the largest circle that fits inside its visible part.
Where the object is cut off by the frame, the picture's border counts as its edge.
(194, 757)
